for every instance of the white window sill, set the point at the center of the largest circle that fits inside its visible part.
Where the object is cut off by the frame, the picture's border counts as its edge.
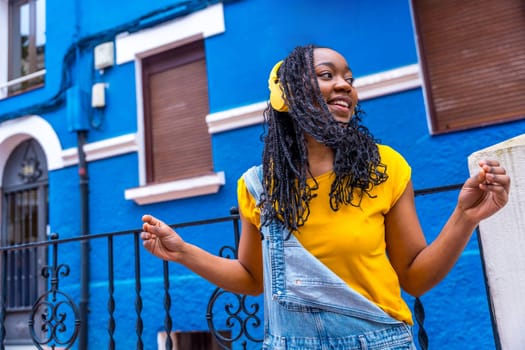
(192, 187)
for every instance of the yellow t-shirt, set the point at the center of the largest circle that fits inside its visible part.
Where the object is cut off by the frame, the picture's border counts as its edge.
(351, 241)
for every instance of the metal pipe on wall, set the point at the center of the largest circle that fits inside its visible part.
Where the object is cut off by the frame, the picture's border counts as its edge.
(77, 114)
(84, 245)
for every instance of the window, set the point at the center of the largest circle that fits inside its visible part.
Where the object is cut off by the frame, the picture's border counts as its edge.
(175, 89)
(26, 45)
(473, 59)
(174, 143)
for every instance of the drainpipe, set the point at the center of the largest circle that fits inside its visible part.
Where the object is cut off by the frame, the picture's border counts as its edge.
(84, 244)
(78, 115)
(77, 122)
(77, 112)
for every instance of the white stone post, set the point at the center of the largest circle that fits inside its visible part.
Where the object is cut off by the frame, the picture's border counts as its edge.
(503, 242)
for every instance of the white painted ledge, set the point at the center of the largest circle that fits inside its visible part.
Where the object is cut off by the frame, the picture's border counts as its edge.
(388, 82)
(193, 187)
(503, 242)
(370, 86)
(236, 118)
(102, 149)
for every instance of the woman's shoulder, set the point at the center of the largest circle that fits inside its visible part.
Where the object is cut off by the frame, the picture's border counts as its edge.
(398, 170)
(251, 182)
(389, 154)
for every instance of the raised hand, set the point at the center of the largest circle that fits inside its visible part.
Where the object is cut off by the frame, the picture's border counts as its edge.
(160, 239)
(485, 193)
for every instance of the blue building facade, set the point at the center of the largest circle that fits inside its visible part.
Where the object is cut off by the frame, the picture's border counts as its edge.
(103, 49)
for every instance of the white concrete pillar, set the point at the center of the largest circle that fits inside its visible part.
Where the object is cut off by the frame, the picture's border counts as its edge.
(503, 241)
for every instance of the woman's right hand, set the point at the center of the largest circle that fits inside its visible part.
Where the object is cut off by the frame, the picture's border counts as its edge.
(160, 239)
(243, 275)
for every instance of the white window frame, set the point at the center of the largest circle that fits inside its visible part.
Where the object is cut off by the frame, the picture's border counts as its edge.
(4, 45)
(4, 54)
(136, 46)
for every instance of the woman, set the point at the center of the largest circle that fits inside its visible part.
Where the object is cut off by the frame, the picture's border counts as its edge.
(340, 233)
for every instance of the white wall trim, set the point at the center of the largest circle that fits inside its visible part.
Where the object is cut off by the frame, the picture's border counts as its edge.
(208, 22)
(102, 149)
(192, 187)
(388, 82)
(370, 86)
(420, 58)
(140, 123)
(15, 131)
(236, 118)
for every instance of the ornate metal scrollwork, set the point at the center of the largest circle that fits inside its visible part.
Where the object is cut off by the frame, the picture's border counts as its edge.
(55, 318)
(49, 322)
(30, 169)
(241, 320)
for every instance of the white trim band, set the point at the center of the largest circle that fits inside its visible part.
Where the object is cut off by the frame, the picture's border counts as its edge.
(236, 118)
(102, 149)
(388, 82)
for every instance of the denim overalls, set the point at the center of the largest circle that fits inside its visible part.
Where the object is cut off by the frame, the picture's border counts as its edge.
(308, 307)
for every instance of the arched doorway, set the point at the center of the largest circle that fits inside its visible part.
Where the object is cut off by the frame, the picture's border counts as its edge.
(24, 220)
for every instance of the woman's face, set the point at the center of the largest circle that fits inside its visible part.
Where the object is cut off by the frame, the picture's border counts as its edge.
(336, 83)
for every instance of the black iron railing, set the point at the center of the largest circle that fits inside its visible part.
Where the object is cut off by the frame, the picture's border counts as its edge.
(234, 321)
(54, 320)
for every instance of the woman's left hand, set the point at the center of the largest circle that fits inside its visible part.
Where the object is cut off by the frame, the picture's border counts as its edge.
(485, 193)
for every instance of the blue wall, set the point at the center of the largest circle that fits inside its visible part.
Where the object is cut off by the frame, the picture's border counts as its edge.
(373, 36)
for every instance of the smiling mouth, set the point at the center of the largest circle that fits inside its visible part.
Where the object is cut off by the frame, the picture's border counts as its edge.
(344, 105)
(341, 103)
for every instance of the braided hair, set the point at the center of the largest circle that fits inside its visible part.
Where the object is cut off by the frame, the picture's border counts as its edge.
(357, 165)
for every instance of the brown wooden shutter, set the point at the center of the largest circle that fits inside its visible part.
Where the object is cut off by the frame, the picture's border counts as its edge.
(178, 144)
(473, 58)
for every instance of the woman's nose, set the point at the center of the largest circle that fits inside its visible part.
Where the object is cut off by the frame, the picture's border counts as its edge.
(342, 83)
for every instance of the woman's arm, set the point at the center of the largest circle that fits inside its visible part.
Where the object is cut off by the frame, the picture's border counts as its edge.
(420, 266)
(242, 275)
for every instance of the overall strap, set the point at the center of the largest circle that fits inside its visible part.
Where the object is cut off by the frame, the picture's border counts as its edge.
(253, 180)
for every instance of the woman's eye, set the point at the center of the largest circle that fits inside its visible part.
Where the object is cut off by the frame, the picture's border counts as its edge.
(350, 81)
(325, 75)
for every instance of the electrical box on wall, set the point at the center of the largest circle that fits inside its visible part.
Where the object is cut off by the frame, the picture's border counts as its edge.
(104, 55)
(77, 109)
(98, 95)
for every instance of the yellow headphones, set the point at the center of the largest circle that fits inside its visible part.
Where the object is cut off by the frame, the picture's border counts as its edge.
(276, 92)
